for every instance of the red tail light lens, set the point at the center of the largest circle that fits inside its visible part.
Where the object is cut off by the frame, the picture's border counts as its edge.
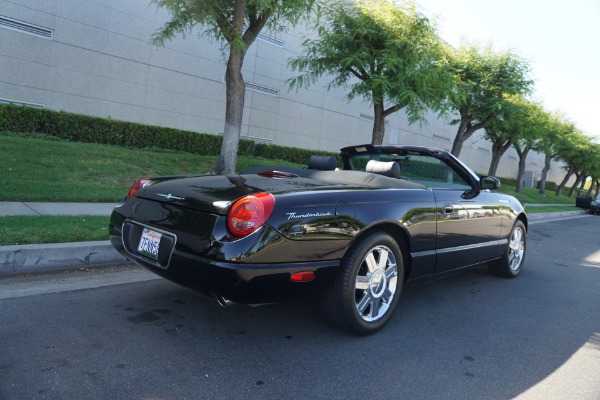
(250, 213)
(305, 276)
(137, 185)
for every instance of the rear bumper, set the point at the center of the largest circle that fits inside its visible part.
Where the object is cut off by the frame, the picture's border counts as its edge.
(239, 282)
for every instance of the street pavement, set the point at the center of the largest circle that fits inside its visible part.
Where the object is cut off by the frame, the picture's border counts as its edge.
(43, 257)
(123, 333)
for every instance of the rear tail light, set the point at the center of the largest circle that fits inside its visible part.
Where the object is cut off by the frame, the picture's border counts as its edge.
(249, 213)
(137, 185)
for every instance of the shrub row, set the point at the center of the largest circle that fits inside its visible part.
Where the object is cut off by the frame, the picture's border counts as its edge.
(83, 128)
(86, 129)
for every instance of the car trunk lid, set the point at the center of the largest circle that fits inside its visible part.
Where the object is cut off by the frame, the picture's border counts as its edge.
(214, 193)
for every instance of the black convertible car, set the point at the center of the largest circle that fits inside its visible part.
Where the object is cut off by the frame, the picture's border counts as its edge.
(353, 236)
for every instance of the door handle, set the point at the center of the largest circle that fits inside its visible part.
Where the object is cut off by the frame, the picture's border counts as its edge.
(447, 208)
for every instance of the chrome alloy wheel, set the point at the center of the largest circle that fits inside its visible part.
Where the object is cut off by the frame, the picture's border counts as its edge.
(516, 248)
(376, 283)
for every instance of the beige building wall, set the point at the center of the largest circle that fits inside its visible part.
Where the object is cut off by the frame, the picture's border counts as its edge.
(95, 57)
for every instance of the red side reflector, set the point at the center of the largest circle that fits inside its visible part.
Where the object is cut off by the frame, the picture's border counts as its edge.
(302, 276)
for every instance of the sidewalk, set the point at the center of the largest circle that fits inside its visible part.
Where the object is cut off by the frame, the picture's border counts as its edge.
(44, 257)
(33, 208)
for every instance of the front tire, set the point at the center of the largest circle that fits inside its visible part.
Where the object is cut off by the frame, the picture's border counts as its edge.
(512, 262)
(365, 292)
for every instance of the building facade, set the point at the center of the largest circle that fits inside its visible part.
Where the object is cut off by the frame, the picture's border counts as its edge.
(96, 57)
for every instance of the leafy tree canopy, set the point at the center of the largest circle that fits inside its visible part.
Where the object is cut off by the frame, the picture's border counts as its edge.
(484, 79)
(384, 52)
(237, 23)
(233, 21)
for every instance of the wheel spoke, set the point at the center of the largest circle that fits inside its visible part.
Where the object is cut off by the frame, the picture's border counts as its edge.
(364, 302)
(362, 282)
(375, 306)
(387, 295)
(391, 272)
(383, 258)
(371, 263)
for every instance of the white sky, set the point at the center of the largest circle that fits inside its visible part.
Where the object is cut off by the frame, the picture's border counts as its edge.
(560, 39)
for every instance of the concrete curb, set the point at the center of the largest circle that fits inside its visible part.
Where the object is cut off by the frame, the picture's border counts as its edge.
(552, 215)
(45, 257)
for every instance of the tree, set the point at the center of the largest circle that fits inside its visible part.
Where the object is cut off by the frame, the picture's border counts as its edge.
(573, 153)
(559, 132)
(587, 165)
(236, 23)
(499, 133)
(385, 52)
(532, 126)
(484, 78)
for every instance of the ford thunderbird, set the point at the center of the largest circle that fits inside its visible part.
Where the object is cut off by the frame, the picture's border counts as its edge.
(352, 230)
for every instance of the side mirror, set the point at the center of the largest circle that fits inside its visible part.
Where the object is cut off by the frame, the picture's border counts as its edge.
(490, 183)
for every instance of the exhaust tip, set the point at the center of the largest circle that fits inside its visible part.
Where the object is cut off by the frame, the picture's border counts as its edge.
(223, 302)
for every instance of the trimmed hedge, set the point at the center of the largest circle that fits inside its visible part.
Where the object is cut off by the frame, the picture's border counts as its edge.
(86, 129)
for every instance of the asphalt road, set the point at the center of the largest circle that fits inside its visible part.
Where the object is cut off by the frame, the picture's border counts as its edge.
(121, 334)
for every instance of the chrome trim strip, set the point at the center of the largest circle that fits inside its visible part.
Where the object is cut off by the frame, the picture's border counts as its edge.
(473, 246)
(423, 253)
(459, 248)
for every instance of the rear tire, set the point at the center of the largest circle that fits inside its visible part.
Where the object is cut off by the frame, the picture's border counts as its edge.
(512, 262)
(365, 291)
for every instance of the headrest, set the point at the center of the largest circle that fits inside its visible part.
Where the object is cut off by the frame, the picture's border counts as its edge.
(323, 163)
(391, 168)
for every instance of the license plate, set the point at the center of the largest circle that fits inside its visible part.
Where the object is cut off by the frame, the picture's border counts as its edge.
(149, 243)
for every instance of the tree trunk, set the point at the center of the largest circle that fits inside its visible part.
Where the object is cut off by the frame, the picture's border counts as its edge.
(597, 188)
(466, 130)
(583, 180)
(561, 187)
(591, 189)
(234, 111)
(521, 170)
(498, 150)
(378, 124)
(547, 162)
(235, 89)
(459, 139)
(577, 181)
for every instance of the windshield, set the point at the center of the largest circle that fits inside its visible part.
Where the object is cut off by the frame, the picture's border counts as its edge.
(419, 168)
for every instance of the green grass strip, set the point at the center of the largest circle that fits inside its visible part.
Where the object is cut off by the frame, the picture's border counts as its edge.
(34, 168)
(29, 229)
(542, 209)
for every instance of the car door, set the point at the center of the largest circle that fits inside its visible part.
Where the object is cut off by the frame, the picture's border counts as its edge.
(468, 219)
(468, 228)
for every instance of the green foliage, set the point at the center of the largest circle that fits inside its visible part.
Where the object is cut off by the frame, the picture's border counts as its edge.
(34, 168)
(28, 229)
(237, 25)
(291, 154)
(224, 20)
(384, 52)
(86, 129)
(549, 185)
(484, 79)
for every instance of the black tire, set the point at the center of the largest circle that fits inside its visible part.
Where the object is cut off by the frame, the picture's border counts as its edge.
(364, 293)
(512, 262)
